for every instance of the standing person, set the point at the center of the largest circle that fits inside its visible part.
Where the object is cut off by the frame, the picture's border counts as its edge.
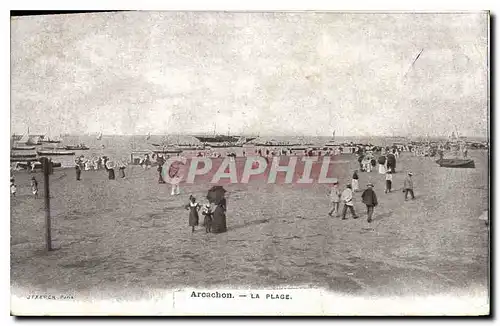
(408, 186)
(193, 208)
(13, 187)
(34, 186)
(347, 199)
(388, 181)
(219, 217)
(355, 181)
(78, 171)
(370, 200)
(207, 221)
(335, 199)
(161, 161)
(110, 169)
(174, 173)
(122, 167)
(381, 164)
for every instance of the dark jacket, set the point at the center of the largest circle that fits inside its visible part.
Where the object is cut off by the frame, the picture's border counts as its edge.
(369, 197)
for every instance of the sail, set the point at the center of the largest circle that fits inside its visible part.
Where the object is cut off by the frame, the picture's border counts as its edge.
(24, 139)
(99, 137)
(148, 136)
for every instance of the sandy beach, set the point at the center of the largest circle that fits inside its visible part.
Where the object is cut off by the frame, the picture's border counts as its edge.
(129, 235)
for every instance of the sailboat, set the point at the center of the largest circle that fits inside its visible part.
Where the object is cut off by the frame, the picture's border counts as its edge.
(332, 141)
(49, 139)
(24, 139)
(99, 137)
(456, 162)
(148, 136)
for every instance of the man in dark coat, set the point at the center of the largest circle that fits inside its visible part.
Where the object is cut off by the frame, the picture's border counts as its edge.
(370, 200)
(78, 171)
(160, 160)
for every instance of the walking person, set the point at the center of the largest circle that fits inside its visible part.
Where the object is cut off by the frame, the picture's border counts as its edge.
(335, 199)
(388, 181)
(193, 208)
(355, 181)
(347, 199)
(370, 200)
(34, 186)
(408, 186)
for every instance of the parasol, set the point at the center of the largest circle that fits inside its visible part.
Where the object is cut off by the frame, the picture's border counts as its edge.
(216, 194)
(175, 169)
(110, 164)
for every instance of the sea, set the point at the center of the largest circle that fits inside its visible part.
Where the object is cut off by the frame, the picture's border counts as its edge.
(120, 147)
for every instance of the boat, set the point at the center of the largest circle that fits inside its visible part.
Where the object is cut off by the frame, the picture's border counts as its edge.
(23, 148)
(218, 139)
(23, 159)
(23, 155)
(55, 152)
(81, 147)
(48, 139)
(274, 143)
(24, 139)
(99, 137)
(156, 145)
(223, 145)
(456, 163)
(148, 136)
(331, 143)
(34, 140)
(167, 151)
(189, 148)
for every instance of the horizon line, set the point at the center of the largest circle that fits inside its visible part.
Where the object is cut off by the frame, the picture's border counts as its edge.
(261, 135)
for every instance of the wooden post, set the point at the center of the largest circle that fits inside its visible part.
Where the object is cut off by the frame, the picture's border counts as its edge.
(46, 172)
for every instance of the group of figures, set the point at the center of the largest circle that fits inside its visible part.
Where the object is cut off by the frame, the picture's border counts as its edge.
(82, 164)
(369, 197)
(34, 186)
(214, 211)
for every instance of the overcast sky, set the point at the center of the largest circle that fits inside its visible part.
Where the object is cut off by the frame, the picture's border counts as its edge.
(255, 73)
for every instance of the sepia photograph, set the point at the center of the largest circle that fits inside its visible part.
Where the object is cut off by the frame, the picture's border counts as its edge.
(288, 163)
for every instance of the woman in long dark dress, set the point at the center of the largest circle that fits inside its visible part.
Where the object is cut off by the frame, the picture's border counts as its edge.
(109, 168)
(193, 207)
(219, 217)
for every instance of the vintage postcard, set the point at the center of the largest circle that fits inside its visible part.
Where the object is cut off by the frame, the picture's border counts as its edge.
(250, 163)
